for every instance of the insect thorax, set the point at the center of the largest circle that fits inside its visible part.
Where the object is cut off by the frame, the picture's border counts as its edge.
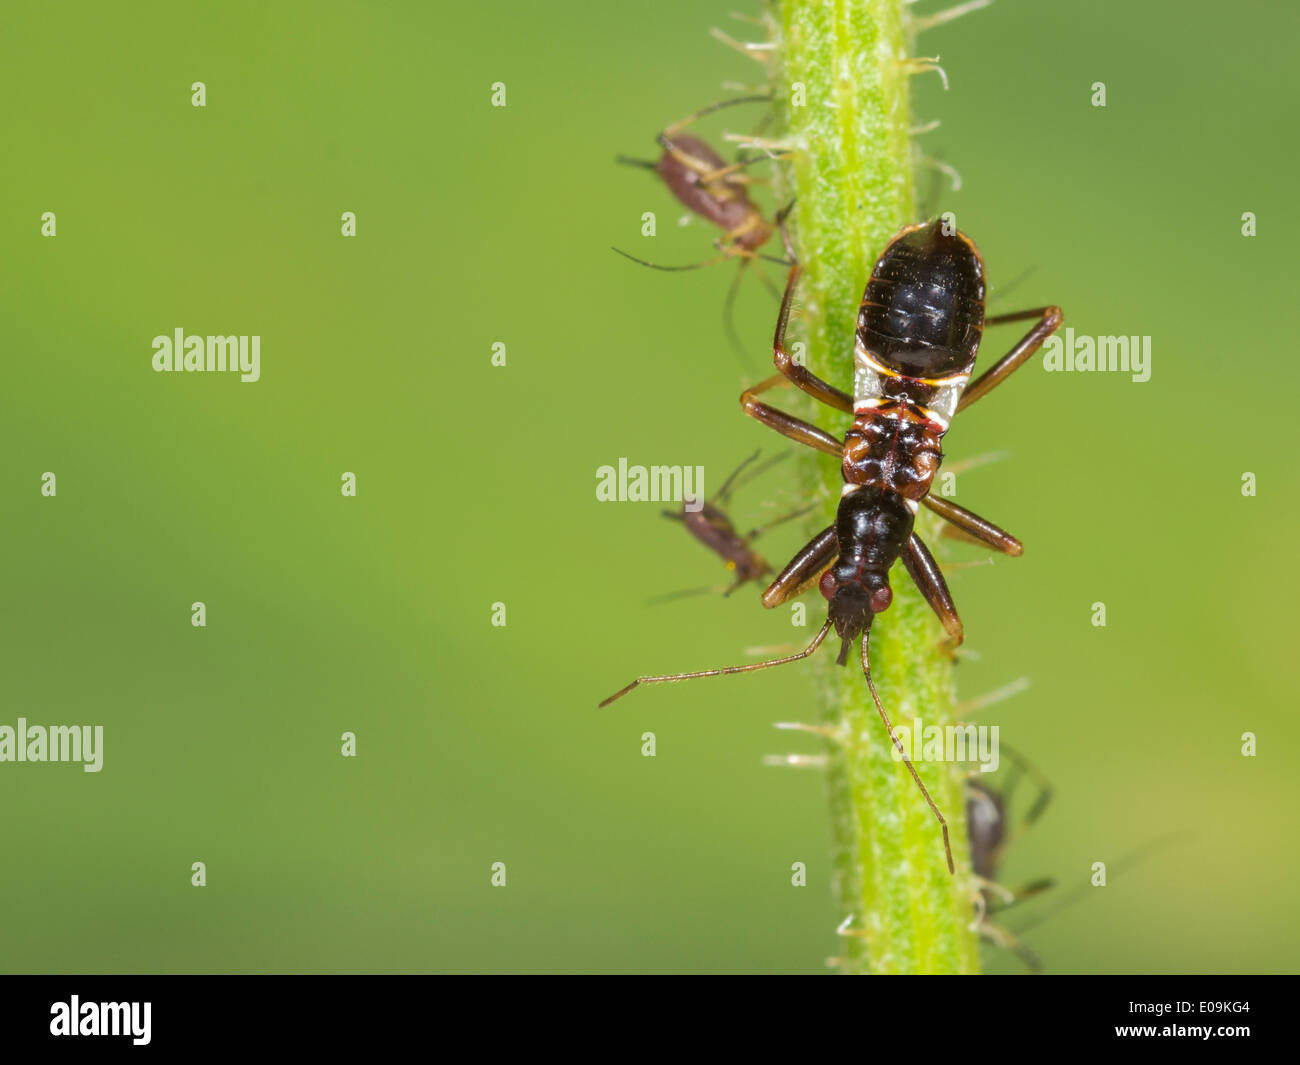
(898, 425)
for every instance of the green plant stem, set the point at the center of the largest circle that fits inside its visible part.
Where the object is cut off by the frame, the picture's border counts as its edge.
(850, 172)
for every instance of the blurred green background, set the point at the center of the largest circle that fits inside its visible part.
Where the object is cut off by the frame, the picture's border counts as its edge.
(476, 485)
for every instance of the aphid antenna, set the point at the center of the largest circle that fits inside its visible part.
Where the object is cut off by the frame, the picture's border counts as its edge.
(1128, 861)
(686, 593)
(702, 263)
(643, 164)
(672, 269)
(720, 105)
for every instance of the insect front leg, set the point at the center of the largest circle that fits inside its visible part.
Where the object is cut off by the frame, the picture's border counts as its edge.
(925, 572)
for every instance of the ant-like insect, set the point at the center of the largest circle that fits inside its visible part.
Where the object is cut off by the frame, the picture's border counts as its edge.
(918, 334)
(712, 527)
(715, 190)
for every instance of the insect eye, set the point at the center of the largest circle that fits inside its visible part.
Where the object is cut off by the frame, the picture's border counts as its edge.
(827, 584)
(880, 599)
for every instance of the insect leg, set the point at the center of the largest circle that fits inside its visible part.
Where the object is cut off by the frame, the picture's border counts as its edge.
(787, 424)
(1049, 320)
(798, 375)
(925, 572)
(803, 569)
(1044, 786)
(974, 526)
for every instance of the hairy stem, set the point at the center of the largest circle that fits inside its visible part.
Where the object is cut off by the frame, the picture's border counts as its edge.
(840, 87)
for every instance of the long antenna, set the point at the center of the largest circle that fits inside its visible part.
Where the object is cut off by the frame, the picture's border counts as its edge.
(866, 669)
(690, 266)
(668, 677)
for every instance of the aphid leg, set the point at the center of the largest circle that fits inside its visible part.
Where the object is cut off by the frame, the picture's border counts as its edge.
(772, 148)
(729, 314)
(925, 572)
(720, 496)
(762, 467)
(999, 936)
(1049, 321)
(758, 530)
(781, 216)
(800, 376)
(732, 171)
(668, 678)
(762, 276)
(993, 888)
(802, 570)
(787, 424)
(685, 593)
(1025, 892)
(1044, 796)
(974, 526)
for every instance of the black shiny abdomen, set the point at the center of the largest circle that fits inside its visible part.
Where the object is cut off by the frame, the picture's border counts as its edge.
(922, 313)
(871, 526)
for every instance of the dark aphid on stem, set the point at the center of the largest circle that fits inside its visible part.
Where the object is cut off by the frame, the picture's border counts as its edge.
(717, 191)
(712, 527)
(918, 334)
(988, 824)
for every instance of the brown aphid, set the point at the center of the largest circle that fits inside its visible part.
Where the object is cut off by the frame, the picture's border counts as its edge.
(713, 527)
(717, 191)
